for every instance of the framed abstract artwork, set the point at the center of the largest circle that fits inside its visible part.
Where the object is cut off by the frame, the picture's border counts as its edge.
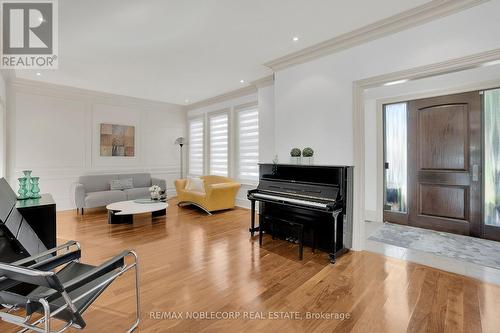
(117, 140)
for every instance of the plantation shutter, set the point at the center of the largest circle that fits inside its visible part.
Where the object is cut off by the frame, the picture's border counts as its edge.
(248, 144)
(195, 145)
(219, 144)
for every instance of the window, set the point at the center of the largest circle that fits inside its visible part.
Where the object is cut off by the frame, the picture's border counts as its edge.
(395, 146)
(248, 144)
(195, 145)
(492, 157)
(219, 144)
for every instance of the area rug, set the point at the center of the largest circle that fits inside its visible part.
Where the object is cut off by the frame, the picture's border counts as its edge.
(478, 251)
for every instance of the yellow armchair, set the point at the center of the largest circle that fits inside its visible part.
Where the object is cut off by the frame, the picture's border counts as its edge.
(220, 193)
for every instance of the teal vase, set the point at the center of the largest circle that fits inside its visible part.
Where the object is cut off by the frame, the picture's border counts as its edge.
(27, 175)
(35, 189)
(22, 188)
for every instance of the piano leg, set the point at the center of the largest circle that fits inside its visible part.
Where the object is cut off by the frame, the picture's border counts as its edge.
(252, 229)
(332, 258)
(314, 228)
(334, 240)
(300, 227)
(272, 230)
(261, 232)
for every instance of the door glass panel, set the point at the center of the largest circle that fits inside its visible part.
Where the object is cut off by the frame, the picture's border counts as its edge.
(492, 157)
(395, 147)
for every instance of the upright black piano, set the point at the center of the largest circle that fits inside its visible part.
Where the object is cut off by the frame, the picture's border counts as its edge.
(319, 198)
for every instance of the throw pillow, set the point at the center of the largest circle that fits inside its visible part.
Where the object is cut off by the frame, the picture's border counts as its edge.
(127, 183)
(195, 185)
(121, 184)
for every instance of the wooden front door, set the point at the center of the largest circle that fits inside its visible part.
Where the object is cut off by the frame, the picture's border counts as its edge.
(444, 163)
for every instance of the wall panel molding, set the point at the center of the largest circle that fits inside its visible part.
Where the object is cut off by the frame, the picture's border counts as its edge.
(60, 159)
(45, 89)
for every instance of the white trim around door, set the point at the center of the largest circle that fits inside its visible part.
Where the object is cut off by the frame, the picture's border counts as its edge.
(445, 67)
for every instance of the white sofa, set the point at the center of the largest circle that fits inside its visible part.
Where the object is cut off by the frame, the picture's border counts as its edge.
(95, 190)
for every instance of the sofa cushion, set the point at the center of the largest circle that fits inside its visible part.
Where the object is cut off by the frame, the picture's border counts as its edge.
(103, 198)
(139, 179)
(96, 183)
(137, 193)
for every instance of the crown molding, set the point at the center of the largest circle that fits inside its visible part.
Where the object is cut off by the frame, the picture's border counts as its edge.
(251, 89)
(413, 17)
(440, 68)
(264, 82)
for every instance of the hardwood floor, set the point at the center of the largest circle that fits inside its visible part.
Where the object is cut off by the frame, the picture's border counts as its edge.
(192, 262)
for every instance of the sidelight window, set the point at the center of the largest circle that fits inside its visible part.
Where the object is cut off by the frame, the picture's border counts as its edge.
(492, 157)
(395, 152)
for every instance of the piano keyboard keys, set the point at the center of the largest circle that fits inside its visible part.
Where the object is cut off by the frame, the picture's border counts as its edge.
(291, 200)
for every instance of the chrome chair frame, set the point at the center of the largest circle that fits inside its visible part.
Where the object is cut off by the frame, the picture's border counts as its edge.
(191, 203)
(48, 260)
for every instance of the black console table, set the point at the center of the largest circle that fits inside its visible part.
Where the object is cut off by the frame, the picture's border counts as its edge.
(41, 216)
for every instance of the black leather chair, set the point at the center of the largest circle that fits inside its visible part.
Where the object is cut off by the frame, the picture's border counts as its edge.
(64, 287)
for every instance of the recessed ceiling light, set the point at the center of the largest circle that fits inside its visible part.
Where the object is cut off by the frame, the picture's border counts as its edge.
(242, 81)
(41, 19)
(395, 82)
(491, 63)
(186, 101)
(295, 39)
(38, 74)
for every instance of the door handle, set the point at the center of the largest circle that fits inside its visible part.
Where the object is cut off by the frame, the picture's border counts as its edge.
(475, 173)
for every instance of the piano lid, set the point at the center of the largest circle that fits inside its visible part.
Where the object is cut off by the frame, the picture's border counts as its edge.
(307, 174)
(322, 182)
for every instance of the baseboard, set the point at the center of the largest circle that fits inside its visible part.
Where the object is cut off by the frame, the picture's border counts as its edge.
(64, 204)
(68, 204)
(243, 203)
(372, 215)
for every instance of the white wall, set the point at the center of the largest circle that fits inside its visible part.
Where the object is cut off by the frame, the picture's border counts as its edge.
(267, 125)
(2, 86)
(265, 99)
(3, 128)
(469, 80)
(54, 131)
(314, 100)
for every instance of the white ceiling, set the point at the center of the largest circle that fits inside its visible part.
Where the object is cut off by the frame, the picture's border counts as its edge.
(173, 50)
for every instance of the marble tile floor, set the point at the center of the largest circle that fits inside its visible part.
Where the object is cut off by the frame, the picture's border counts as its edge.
(378, 240)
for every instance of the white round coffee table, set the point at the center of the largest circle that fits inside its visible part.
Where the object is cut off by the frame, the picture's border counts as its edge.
(124, 211)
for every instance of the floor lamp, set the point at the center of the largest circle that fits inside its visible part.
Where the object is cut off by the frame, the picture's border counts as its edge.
(181, 142)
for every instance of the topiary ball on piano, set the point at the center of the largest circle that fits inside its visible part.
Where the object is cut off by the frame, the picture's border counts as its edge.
(295, 152)
(308, 152)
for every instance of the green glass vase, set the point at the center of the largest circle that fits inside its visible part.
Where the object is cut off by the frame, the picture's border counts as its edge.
(22, 188)
(27, 175)
(35, 189)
